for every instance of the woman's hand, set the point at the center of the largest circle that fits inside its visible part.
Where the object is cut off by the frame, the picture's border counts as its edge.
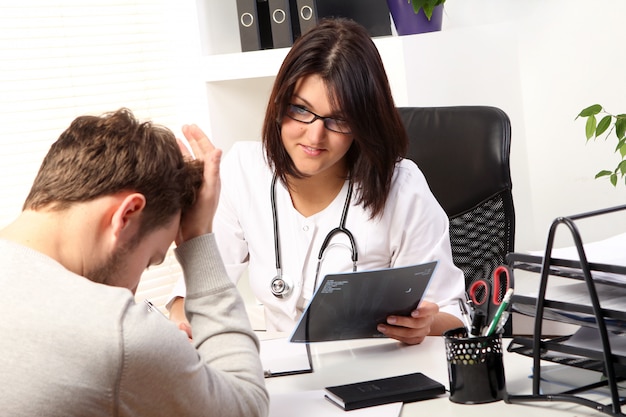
(424, 321)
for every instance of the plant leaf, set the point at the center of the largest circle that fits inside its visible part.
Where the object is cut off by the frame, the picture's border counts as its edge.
(590, 127)
(621, 148)
(620, 126)
(428, 10)
(603, 173)
(427, 5)
(614, 180)
(603, 125)
(589, 111)
(622, 167)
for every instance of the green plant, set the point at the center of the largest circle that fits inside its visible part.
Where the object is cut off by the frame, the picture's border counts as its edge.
(608, 123)
(426, 5)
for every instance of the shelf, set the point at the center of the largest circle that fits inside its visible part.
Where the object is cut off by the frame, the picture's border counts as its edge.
(242, 66)
(556, 350)
(524, 346)
(597, 307)
(266, 63)
(566, 298)
(456, 74)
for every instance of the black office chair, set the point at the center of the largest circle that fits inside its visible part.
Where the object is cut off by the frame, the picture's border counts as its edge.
(464, 153)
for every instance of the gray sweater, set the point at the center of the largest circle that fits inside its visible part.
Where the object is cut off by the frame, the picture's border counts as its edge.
(71, 347)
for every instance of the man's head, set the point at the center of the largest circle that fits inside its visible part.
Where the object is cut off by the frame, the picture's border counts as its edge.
(128, 181)
(104, 155)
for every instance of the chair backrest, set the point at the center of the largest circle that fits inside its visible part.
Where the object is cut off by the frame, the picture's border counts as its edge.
(463, 152)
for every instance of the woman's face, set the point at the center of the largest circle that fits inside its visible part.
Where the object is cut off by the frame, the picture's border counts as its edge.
(314, 148)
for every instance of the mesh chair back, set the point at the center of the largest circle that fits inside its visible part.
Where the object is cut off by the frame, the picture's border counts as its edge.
(481, 238)
(463, 152)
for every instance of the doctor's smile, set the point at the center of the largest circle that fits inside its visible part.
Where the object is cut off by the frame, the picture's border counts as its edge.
(312, 151)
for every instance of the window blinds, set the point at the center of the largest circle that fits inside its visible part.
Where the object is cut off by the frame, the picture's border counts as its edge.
(64, 58)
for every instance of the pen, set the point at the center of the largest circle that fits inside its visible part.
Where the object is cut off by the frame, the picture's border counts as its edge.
(502, 322)
(477, 323)
(496, 318)
(465, 315)
(152, 307)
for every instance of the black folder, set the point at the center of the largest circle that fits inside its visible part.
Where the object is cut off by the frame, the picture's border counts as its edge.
(281, 17)
(371, 14)
(350, 305)
(307, 14)
(254, 24)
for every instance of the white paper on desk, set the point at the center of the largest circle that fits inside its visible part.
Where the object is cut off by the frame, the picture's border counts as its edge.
(589, 338)
(608, 251)
(557, 378)
(611, 297)
(281, 356)
(313, 404)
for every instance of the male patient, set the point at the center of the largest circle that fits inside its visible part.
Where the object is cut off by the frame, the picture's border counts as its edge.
(111, 196)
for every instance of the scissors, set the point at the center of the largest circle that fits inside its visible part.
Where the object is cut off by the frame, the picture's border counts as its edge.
(487, 296)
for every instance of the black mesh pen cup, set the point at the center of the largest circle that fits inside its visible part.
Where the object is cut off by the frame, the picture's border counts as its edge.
(475, 367)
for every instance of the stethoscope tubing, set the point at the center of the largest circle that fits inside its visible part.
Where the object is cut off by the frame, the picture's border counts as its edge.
(284, 285)
(342, 229)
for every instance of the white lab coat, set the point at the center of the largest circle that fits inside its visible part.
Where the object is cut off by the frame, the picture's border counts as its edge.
(413, 229)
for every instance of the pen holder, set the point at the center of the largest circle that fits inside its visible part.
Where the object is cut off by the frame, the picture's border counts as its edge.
(475, 367)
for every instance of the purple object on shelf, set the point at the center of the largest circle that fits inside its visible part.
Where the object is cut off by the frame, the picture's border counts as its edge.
(408, 23)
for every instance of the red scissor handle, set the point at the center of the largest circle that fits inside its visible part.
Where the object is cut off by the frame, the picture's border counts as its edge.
(479, 292)
(496, 285)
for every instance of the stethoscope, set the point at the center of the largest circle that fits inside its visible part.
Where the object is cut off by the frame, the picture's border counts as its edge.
(282, 286)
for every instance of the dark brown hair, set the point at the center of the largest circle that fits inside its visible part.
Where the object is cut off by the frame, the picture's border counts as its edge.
(342, 53)
(102, 155)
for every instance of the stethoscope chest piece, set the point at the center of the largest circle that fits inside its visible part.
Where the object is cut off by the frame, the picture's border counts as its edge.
(281, 286)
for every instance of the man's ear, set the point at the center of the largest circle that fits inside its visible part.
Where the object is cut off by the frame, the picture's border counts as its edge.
(127, 217)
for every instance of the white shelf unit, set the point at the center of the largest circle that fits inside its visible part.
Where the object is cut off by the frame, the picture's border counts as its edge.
(451, 67)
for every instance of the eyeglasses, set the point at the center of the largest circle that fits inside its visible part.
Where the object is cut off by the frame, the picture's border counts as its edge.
(300, 114)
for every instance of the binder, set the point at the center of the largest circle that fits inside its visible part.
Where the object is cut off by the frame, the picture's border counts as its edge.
(280, 12)
(307, 14)
(371, 14)
(254, 24)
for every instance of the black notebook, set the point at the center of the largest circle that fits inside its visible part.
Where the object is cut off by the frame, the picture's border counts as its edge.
(402, 388)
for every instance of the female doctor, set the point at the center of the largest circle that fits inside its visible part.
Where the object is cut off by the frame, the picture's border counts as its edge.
(330, 167)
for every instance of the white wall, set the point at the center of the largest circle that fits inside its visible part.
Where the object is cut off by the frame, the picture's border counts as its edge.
(66, 58)
(560, 56)
(540, 60)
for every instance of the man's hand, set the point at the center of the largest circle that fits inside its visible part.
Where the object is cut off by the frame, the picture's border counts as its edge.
(198, 220)
(177, 315)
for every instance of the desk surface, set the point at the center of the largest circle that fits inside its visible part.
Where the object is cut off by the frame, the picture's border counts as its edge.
(342, 362)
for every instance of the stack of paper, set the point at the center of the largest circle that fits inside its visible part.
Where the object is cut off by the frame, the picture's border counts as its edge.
(611, 251)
